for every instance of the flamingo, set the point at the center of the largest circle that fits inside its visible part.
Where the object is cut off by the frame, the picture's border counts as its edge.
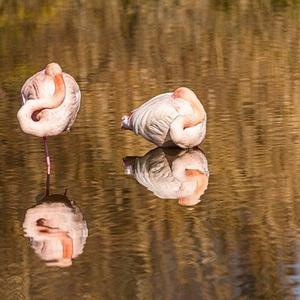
(182, 175)
(169, 119)
(51, 100)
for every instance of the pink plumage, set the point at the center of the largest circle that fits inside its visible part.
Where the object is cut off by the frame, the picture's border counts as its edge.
(51, 100)
(169, 119)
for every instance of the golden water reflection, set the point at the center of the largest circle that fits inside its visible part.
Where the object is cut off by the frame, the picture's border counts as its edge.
(242, 59)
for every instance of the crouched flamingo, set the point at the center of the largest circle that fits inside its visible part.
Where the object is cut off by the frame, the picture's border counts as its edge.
(169, 119)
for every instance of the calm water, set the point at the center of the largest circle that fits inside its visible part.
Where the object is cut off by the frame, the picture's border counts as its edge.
(242, 240)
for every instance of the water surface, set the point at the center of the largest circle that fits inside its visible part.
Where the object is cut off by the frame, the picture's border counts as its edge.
(242, 59)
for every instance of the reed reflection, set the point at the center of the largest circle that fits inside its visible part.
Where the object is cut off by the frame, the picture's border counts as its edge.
(171, 173)
(56, 229)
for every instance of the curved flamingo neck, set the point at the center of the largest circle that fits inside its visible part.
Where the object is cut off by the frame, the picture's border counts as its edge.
(189, 96)
(60, 91)
(42, 127)
(197, 117)
(199, 111)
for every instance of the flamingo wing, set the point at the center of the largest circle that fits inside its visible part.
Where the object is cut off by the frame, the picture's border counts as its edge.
(31, 87)
(152, 119)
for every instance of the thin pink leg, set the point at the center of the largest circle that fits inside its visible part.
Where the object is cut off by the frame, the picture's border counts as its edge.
(47, 155)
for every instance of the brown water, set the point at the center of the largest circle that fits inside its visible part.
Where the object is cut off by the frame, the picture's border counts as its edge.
(242, 241)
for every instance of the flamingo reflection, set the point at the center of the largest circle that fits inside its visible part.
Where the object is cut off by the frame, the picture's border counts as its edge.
(56, 229)
(171, 173)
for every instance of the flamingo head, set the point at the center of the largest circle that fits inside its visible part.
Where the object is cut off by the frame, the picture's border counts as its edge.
(184, 93)
(125, 123)
(53, 69)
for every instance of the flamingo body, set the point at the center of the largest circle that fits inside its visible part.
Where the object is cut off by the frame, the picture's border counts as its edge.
(169, 119)
(51, 100)
(36, 117)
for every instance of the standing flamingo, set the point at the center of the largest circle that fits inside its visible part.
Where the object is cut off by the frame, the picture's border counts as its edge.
(169, 119)
(51, 100)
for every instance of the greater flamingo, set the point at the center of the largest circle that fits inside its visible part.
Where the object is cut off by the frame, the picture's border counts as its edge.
(51, 100)
(169, 119)
(181, 175)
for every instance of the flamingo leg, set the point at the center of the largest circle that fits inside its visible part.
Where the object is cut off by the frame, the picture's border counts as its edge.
(47, 155)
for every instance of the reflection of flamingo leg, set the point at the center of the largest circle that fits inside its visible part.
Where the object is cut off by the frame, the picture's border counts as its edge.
(47, 193)
(47, 155)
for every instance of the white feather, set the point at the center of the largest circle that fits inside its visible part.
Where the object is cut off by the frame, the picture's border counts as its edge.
(153, 120)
